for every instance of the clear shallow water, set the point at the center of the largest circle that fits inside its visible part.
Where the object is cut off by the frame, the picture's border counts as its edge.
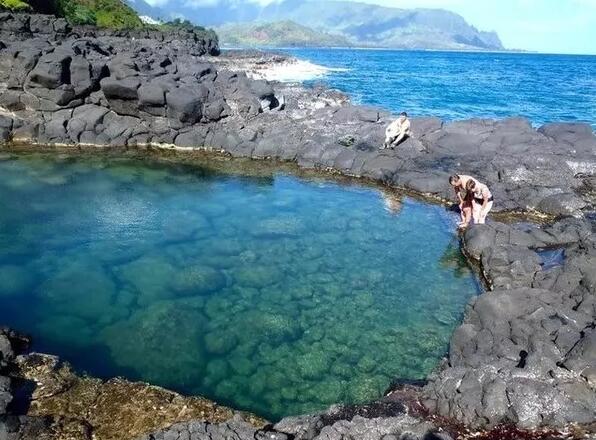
(275, 294)
(462, 85)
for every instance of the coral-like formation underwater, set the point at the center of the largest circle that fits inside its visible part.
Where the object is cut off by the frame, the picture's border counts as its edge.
(275, 294)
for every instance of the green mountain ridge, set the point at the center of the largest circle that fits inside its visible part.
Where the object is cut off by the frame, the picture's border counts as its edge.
(361, 24)
(285, 33)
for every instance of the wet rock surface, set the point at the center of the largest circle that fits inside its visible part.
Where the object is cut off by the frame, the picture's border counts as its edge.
(525, 352)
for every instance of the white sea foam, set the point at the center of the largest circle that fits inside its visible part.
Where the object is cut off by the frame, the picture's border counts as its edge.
(292, 70)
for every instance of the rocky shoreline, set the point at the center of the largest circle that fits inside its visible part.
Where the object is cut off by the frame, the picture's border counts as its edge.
(525, 354)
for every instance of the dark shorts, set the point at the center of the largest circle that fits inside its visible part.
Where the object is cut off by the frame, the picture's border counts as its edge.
(481, 201)
(393, 138)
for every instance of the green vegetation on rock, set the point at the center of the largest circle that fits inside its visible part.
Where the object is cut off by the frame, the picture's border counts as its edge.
(113, 14)
(14, 5)
(103, 13)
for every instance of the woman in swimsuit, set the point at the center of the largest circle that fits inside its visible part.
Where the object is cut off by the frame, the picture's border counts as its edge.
(482, 200)
(459, 182)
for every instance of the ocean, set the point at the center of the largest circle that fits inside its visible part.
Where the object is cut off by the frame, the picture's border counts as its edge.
(462, 85)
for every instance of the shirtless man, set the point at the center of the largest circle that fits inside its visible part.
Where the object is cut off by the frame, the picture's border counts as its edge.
(397, 131)
(459, 183)
(482, 200)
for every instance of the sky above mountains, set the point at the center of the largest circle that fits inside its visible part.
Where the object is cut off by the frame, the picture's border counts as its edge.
(552, 26)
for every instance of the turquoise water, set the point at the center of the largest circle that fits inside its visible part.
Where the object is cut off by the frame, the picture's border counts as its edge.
(464, 85)
(272, 293)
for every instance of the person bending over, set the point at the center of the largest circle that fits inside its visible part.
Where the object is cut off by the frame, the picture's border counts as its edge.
(397, 131)
(482, 201)
(464, 198)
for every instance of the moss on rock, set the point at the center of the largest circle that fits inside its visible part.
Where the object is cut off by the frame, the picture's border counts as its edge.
(112, 409)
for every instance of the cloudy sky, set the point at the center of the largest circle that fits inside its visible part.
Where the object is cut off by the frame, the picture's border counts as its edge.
(554, 26)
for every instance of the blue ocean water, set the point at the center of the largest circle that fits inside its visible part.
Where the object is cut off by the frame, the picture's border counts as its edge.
(272, 293)
(463, 85)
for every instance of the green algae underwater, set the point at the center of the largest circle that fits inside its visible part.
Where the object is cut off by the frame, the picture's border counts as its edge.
(268, 292)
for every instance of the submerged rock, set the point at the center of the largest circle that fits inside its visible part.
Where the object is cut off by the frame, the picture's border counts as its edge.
(83, 290)
(197, 280)
(150, 275)
(147, 339)
(257, 276)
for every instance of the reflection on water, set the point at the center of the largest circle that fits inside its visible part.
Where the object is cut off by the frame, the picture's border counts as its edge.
(275, 294)
(393, 203)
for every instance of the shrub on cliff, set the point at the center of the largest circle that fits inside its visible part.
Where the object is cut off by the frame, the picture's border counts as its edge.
(103, 13)
(113, 14)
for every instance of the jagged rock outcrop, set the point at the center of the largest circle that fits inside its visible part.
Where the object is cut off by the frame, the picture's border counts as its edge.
(525, 352)
(6, 356)
(20, 26)
(386, 420)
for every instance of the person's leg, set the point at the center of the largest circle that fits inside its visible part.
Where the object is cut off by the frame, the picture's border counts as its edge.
(466, 214)
(476, 207)
(400, 140)
(483, 214)
(395, 142)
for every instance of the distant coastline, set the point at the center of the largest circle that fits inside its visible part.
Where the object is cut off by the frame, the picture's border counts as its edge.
(277, 48)
(504, 51)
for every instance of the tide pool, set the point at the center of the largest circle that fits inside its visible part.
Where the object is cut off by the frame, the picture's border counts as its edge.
(272, 293)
